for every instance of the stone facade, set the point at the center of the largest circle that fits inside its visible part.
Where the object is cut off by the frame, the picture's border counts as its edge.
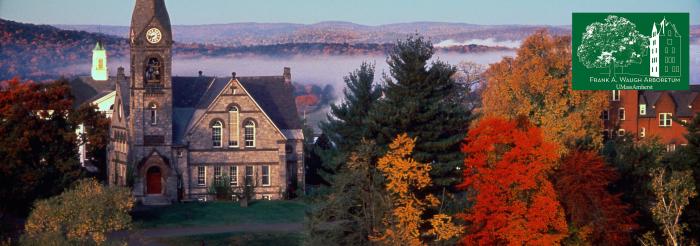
(166, 127)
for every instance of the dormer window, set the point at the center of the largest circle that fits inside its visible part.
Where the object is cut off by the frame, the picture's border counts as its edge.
(153, 71)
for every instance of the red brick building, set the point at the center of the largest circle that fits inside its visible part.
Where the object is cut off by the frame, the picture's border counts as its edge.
(651, 113)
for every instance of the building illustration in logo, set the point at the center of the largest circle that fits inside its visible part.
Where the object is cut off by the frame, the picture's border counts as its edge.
(664, 45)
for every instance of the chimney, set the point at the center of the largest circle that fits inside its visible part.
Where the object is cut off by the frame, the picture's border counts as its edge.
(120, 75)
(233, 75)
(200, 73)
(287, 75)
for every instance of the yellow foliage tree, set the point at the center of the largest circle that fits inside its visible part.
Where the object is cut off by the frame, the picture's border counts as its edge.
(81, 215)
(537, 84)
(404, 178)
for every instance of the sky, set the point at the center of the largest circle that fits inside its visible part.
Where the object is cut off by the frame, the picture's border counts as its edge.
(367, 12)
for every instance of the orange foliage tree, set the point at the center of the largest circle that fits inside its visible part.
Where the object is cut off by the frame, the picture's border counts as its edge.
(537, 84)
(600, 217)
(506, 168)
(405, 177)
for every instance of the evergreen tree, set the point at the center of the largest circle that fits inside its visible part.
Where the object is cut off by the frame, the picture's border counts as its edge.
(353, 206)
(424, 102)
(346, 125)
(690, 154)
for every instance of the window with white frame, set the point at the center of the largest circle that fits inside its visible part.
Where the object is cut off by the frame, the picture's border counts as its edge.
(265, 175)
(233, 115)
(616, 95)
(642, 109)
(153, 108)
(606, 115)
(621, 132)
(201, 176)
(216, 134)
(233, 173)
(642, 132)
(266, 197)
(217, 174)
(665, 119)
(249, 175)
(249, 133)
(621, 113)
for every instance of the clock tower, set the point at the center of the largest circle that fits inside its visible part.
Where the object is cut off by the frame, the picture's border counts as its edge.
(151, 100)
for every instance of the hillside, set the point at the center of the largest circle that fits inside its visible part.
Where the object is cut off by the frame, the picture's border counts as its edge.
(34, 50)
(246, 34)
(37, 51)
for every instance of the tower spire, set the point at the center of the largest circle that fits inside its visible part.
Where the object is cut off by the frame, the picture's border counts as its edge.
(99, 70)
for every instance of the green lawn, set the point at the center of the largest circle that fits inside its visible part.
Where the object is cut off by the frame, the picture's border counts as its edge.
(218, 213)
(238, 238)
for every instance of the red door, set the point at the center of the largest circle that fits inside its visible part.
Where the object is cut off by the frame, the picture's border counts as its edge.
(153, 181)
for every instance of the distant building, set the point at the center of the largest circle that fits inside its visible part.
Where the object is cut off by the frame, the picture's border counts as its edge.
(99, 63)
(651, 113)
(665, 50)
(176, 136)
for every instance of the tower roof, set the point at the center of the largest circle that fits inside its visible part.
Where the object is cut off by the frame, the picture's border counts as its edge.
(147, 11)
(99, 46)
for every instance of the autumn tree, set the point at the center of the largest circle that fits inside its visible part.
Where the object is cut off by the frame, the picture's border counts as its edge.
(421, 99)
(349, 210)
(537, 84)
(673, 190)
(81, 215)
(599, 217)
(38, 155)
(95, 136)
(615, 42)
(505, 173)
(347, 123)
(405, 177)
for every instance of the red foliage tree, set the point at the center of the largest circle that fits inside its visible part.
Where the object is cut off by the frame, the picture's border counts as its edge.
(306, 100)
(38, 157)
(581, 183)
(506, 168)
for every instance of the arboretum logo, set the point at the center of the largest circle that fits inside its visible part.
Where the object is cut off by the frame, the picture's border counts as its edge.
(630, 51)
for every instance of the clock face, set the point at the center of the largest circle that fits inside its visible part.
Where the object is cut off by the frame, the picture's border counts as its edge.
(153, 35)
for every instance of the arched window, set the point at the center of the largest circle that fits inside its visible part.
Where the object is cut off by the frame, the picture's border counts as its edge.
(153, 110)
(249, 133)
(216, 134)
(233, 126)
(153, 70)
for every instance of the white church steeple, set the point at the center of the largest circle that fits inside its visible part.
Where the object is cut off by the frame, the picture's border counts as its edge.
(99, 63)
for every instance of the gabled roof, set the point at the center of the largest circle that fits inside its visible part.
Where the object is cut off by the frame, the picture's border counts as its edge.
(85, 88)
(681, 99)
(276, 99)
(193, 95)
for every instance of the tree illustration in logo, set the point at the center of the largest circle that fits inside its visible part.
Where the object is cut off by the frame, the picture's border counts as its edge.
(611, 44)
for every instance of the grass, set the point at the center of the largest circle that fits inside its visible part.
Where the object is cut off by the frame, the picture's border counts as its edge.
(219, 213)
(236, 238)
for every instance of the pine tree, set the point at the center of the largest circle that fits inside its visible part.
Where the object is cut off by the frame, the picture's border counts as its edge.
(423, 101)
(346, 125)
(352, 207)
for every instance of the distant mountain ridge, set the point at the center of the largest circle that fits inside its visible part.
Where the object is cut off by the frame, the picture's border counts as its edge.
(251, 33)
(37, 51)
